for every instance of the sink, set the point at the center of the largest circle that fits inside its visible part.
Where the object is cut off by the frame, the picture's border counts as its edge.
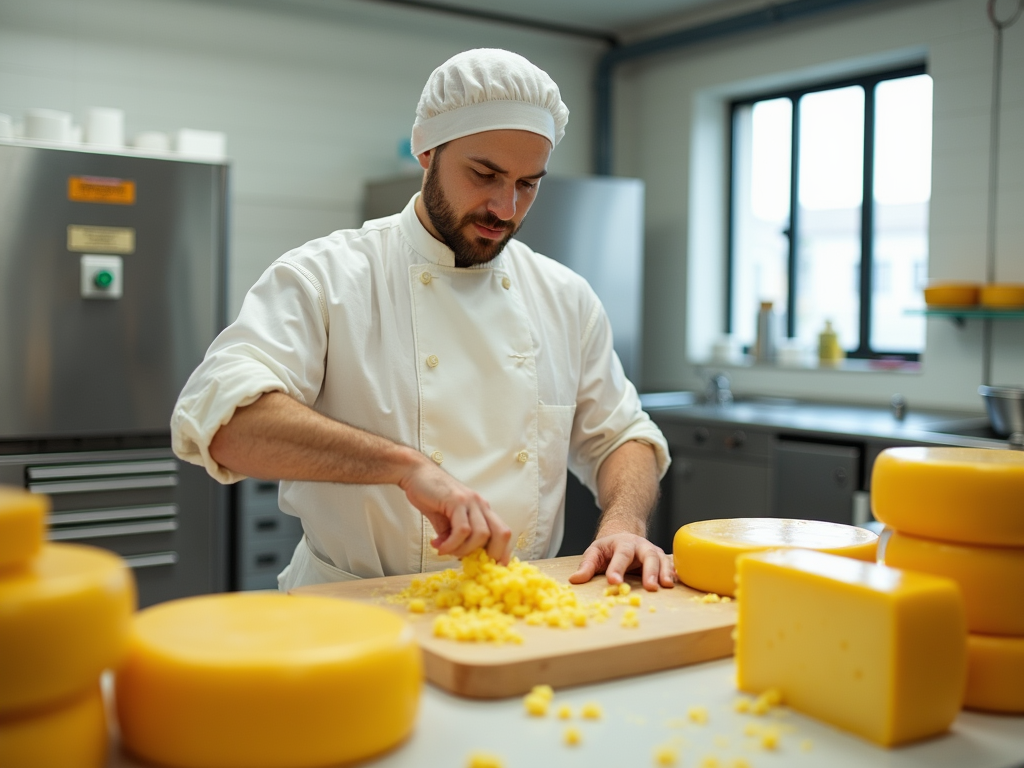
(655, 400)
(965, 428)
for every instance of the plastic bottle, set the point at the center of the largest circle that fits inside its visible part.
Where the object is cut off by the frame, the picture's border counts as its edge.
(829, 351)
(764, 347)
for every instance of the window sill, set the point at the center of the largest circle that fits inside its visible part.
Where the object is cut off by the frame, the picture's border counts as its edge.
(847, 365)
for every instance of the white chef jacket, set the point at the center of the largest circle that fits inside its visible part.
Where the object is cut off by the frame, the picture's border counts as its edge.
(503, 373)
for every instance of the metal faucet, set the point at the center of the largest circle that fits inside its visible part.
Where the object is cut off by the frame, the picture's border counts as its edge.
(717, 391)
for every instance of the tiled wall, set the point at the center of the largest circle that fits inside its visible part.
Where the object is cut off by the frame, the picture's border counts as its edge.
(314, 96)
(670, 133)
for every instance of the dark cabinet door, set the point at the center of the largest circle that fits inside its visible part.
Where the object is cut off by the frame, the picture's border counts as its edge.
(706, 489)
(814, 481)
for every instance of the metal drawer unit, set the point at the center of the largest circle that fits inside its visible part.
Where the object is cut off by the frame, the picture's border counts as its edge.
(266, 536)
(151, 509)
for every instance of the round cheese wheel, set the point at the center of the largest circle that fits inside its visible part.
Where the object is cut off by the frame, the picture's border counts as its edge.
(705, 552)
(995, 673)
(22, 521)
(74, 735)
(991, 578)
(65, 618)
(969, 495)
(263, 680)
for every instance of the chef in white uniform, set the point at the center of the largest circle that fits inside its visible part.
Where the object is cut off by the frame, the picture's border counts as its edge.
(421, 384)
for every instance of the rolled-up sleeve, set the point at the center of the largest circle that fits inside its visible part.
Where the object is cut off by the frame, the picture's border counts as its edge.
(278, 343)
(608, 410)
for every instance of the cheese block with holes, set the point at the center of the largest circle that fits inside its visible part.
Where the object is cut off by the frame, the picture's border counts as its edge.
(870, 649)
(22, 522)
(264, 680)
(72, 735)
(991, 578)
(64, 618)
(705, 552)
(995, 674)
(967, 495)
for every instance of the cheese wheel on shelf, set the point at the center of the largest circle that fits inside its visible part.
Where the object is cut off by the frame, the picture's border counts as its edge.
(22, 522)
(995, 674)
(991, 578)
(66, 618)
(968, 495)
(267, 681)
(74, 735)
(873, 650)
(705, 552)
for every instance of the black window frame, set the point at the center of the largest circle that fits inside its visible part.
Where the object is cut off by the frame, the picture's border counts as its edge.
(866, 282)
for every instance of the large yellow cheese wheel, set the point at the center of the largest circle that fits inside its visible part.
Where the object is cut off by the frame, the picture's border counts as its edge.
(995, 674)
(63, 620)
(74, 735)
(870, 649)
(969, 495)
(991, 578)
(705, 552)
(265, 680)
(22, 521)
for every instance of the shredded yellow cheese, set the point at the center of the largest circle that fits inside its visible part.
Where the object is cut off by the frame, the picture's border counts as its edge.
(573, 736)
(698, 715)
(666, 755)
(591, 711)
(484, 760)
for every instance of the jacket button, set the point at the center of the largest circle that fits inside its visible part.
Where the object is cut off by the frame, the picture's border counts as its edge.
(522, 457)
(425, 278)
(432, 361)
(437, 456)
(506, 283)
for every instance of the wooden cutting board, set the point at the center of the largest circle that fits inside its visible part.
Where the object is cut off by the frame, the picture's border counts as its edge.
(679, 632)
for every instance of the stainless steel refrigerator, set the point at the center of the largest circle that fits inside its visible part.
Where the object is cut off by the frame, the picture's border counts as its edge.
(112, 286)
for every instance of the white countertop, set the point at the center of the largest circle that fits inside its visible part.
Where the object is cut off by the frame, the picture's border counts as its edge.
(645, 712)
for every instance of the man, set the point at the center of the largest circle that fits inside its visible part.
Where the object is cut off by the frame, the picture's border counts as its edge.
(421, 384)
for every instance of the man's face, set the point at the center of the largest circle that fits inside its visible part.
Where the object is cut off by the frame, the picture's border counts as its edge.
(477, 190)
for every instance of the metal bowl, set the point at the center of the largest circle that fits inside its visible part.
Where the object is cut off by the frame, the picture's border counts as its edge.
(1005, 408)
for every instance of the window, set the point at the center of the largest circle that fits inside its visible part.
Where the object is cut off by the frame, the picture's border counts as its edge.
(801, 235)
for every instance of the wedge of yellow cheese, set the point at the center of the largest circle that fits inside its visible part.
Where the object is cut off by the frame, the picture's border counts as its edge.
(995, 674)
(63, 620)
(876, 651)
(267, 681)
(991, 578)
(966, 495)
(22, 523)
(74, 735)
(705, 552)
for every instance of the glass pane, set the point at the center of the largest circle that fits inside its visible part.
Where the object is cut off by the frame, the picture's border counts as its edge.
(762, 136)
(831, 180)
(903, 174)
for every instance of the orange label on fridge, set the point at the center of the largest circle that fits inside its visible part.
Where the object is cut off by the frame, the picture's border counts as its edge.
(100, 189)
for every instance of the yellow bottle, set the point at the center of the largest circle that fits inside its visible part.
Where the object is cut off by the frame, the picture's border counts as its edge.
(829, 351)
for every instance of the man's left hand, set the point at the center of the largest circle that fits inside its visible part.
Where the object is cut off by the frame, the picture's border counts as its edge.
(618, 553)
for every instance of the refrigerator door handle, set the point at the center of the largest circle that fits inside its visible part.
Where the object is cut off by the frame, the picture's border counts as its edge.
(104, 531)
(108, 484)
(151, 559)
(66, 471)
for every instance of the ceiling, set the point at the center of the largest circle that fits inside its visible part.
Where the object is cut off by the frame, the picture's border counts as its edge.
(607, 17)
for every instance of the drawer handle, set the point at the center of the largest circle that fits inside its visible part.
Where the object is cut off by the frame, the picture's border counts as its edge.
(266, 524)
(151, 559)
(64, 471)
(102, 531)
(113, 484)
(113, 515)
(266, 558)
(701, 435)
(736, 439)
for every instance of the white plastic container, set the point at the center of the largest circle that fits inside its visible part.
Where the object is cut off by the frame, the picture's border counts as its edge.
(208, 145)
(104, 126)
(48, 125)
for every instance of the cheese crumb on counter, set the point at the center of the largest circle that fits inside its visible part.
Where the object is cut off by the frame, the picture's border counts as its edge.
(666, 755)
(698, 715)
(629, 618)
(484, 760)
(484, 600)
(536, 705)
(591, 711)
(572, 736)
(564, 712)
(710, 762)
(544, 691)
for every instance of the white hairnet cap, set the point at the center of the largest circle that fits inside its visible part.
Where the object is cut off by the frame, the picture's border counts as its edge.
(487, 89)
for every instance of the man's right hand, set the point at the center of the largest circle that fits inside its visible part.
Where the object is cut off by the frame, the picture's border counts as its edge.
(462, 518)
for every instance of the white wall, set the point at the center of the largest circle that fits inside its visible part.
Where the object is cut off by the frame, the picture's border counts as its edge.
(314, 97)
(671, 132)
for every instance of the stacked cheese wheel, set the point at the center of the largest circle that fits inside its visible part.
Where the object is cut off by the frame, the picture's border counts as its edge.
(65, 616)
(959, 513)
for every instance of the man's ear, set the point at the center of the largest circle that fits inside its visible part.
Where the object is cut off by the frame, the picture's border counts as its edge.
(424, 158)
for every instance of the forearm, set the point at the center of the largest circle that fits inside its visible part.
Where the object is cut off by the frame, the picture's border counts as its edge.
(627, 487)
(278, 438)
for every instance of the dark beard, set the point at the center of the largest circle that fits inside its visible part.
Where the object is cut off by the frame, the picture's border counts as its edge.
(467, 251)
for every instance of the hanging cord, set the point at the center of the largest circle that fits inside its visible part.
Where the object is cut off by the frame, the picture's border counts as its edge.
(993, 174)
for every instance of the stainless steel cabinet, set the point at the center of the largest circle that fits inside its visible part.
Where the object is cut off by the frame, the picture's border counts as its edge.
(265, 536)
(816, 481)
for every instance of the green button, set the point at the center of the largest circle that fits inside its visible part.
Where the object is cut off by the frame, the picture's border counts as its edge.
(103, 279)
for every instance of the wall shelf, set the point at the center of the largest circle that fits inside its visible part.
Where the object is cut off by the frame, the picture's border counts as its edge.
(960, 315)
